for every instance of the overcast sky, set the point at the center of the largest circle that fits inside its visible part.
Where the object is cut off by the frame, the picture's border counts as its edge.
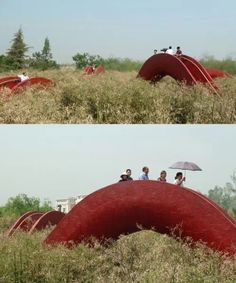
(124, 28)
(64, 161)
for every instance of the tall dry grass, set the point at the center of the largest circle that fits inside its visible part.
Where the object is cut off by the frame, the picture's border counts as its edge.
(118, 98)
(141, 257)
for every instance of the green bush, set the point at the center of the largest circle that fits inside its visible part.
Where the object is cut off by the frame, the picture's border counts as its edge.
(114, 64)
(85, 59)
(227, 65)
(4, 64)
(17, 206)
(122, 65)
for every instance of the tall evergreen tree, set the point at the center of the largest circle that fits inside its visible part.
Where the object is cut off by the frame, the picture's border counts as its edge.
(17, 52)
(43, 60)
(46, 52)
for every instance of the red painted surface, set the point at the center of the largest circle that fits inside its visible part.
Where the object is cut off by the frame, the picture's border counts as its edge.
(100, 70)
(160, 65)
(88, 70)
(120, 208)
(199, 73)
(182, 68)
(47, 219)
(42, 82)
(10, 83)
(8, 78)
(19, 221)
(214, 73)
(199, 66)
(28, 222)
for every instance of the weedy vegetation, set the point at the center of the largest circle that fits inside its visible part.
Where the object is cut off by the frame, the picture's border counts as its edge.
(145, 256)
(117, 98)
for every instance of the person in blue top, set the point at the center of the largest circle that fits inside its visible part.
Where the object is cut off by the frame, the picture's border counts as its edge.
(144, 175)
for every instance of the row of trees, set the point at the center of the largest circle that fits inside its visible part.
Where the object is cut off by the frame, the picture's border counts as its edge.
(17, 58)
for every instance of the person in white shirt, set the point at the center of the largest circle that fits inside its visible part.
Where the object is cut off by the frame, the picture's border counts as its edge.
(23, 77)
(179, 179)
(170, 51)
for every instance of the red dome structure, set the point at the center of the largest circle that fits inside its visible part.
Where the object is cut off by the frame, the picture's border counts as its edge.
(50, 218)
(121, 208)
(182, 68)
(15, 84)
(34, 221)
(25, 222)
(9, 82)
(214, 73)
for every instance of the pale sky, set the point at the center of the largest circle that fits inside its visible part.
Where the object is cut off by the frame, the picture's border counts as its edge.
(53, 162)
(124, 28)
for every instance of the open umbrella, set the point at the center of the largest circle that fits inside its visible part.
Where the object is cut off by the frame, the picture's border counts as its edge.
(184, 165)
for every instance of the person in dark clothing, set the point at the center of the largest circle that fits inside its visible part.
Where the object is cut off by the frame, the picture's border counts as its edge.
(164, 50)
(179, 51)
(129, 172)
(124, 177)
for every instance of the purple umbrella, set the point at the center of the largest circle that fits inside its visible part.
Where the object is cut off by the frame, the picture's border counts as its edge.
(186, 166)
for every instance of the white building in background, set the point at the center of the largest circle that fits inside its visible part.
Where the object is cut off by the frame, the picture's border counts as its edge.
(65, 205)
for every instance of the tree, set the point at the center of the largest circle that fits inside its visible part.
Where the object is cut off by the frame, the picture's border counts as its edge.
(225, 196)
(17, 52)
(85, 59)
(20, 204)
(46, 52)
(43, 60)
(4, 63)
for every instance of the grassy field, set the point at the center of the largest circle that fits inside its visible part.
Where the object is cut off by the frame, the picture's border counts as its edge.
(142, 257)
(118, 97)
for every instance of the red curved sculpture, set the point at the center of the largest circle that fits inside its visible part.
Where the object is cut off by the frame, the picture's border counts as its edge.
(182, 68)
(214, 73)
(160, 65)
(27, 222)
(10, 83)
(120, 208)
(18, 222)
(15, 84)
(198, 71)
(99, 70)
(194, 61)
(8, 78)
(43, 82)
(88, 70)
(49, 218)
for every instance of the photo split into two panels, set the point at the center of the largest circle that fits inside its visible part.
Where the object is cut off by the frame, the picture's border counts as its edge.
(117, 141)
